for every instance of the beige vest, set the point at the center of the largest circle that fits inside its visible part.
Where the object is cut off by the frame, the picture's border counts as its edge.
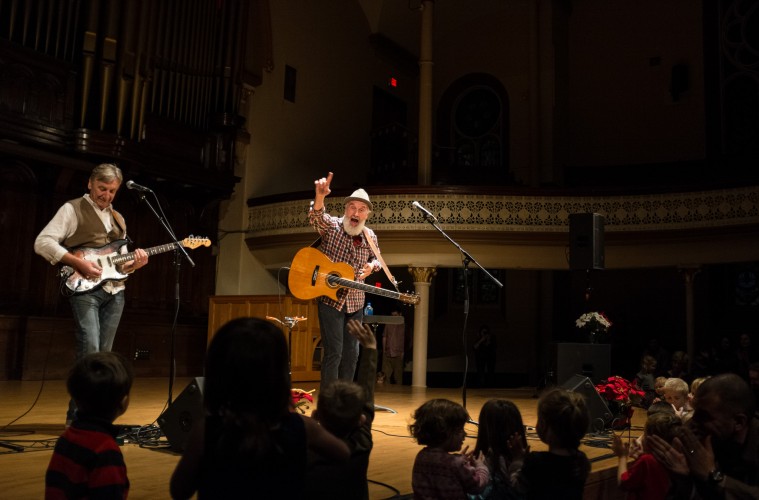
(90, 231)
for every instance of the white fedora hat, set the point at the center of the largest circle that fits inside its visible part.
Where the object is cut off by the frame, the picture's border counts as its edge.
(359, 195)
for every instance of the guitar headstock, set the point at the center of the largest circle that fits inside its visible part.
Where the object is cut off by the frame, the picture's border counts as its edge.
(411, 299)
(195, 242)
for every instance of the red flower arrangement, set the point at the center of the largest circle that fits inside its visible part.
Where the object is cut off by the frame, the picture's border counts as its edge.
(622, 395)
(302, 399)
(620, 390)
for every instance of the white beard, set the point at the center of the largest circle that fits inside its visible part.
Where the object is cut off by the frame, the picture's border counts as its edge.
(353, 231)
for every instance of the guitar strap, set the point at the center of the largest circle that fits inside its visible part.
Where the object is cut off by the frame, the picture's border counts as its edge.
(379, 258)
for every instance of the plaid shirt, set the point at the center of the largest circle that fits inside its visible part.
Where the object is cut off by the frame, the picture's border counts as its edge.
(339, 246)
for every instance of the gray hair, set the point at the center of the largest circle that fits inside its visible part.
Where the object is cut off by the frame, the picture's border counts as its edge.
(106, 172)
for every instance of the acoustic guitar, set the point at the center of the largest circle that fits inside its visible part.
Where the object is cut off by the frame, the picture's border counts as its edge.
(313, 274)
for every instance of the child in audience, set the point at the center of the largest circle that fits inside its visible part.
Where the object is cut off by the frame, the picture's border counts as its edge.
(346, 409)
(501, 439)
(636, 446)
(676, 393)
(251, 440)
(645, 379)
(659, 388)
(439, 473)
(646, 478)
(87, 461)
(560, 472)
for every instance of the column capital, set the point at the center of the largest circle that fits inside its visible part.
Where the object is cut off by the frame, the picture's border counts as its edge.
(422, 274)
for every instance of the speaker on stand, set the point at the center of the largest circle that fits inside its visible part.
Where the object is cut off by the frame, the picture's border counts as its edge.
(600, 415)
(183, 415)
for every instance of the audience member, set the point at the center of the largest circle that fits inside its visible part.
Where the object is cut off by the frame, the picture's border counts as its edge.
(87, 462)
(646, 478)
(676, 393)
(485, 351)
(645, 379)
(718, 451)
(659, 388)
(744, 355)
(393, 343)
(660, 354)
(678, 366)
(346, 409)
(560, 472)
(725, 360)
(501, 439)
(439, 473)
(251, 439)
(636, 447)
(753, 379)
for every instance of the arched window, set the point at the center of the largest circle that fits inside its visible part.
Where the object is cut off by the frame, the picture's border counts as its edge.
(472, 133)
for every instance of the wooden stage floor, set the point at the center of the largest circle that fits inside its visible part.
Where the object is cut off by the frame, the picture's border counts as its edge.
(26, 443)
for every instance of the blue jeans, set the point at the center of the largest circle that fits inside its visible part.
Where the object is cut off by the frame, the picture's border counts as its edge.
(339, 347)
(96, 315)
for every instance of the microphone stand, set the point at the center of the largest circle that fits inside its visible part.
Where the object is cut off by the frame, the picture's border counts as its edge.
(177, 266)
(465, 260)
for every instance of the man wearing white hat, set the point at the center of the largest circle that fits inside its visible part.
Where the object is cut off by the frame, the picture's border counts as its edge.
(343, 239)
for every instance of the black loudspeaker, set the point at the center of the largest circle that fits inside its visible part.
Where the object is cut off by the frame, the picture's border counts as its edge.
(600, 416)
(586, 241)
(183, 414)
(589, 360)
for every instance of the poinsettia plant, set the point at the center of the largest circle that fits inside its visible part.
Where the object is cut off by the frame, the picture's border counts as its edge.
(302, 399)
(621, 391)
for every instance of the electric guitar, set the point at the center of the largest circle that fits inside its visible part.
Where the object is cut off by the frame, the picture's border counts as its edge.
(108, 257)
(313, 274)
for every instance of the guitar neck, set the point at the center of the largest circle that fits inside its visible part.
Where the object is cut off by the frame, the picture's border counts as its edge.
(126, 257)
(343, 282)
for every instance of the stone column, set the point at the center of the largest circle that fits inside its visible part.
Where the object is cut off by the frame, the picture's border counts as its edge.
(424, 154)
(422, 281)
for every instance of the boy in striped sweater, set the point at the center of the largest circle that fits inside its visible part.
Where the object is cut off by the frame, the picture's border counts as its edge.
(87, 461)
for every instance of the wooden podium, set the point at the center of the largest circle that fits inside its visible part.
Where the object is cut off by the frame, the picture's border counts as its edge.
(374, 321)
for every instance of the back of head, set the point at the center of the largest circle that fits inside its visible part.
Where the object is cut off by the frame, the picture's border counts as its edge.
(436, 420)
(247, 372)
(660, 407)
(564, 416)
(732, 393)
(98, 382)
(499, 420)
(340, 406)
(663, 424)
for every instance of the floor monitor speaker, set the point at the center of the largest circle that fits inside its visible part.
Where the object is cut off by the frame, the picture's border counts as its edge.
(183, 414)
(586, 241)
(600, 415)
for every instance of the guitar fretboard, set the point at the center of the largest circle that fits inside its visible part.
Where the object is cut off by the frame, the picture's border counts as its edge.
(150, 251)
(337, 280)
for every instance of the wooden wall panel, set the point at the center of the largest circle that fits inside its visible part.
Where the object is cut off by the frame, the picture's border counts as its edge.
(305, 351)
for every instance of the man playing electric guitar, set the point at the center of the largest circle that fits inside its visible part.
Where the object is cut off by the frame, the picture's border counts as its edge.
(91, 221)
(343, 240)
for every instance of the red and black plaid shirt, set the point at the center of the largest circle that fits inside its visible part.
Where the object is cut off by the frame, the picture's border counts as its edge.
(341, 247)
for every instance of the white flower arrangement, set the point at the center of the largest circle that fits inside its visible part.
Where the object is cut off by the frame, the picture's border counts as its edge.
(593, 320)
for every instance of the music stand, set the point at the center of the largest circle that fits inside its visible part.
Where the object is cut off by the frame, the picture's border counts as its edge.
(374, 321)
(290, 323)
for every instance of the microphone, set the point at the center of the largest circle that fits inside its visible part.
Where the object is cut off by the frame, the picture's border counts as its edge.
(424, 210)
(137, 187)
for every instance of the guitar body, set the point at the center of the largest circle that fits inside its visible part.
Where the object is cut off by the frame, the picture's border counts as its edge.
(108, 257)
(103, 257)
(313, 274)
(308, 274)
